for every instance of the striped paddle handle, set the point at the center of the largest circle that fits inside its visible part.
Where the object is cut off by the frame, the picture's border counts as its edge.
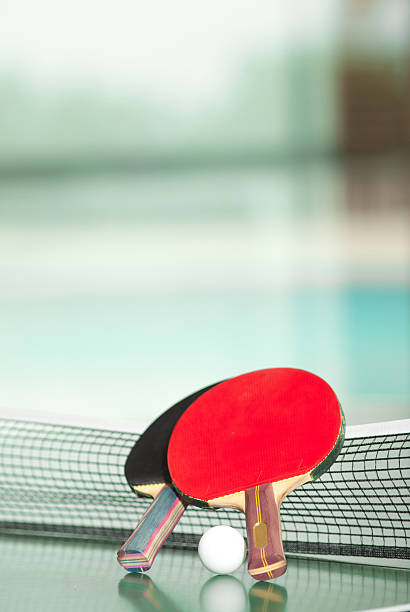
(266, 558)
(139, 551)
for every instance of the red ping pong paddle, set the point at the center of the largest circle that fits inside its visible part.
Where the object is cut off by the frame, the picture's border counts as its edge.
(250, 441)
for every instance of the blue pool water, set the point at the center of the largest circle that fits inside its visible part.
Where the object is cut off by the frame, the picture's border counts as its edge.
(129, 357)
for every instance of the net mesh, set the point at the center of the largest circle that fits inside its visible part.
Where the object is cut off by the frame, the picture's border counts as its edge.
(67, 481)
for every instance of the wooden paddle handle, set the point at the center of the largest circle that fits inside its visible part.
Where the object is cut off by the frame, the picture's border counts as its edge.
(266, 559)
(139, 551)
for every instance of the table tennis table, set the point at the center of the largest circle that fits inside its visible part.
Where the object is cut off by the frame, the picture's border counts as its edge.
(48, 574)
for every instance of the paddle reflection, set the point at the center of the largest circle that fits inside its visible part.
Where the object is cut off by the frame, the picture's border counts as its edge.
(144, 595)
(267, 597)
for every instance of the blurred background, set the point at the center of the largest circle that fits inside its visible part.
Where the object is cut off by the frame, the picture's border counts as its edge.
(189, 191)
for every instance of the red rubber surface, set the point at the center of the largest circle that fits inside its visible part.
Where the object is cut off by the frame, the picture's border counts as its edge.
(259, 427)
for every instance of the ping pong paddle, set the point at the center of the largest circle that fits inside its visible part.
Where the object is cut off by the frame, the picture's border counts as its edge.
(146, 470)
(250, 441)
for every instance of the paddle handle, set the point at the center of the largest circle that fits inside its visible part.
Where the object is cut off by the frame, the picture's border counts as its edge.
(266, 559)
(137, 554)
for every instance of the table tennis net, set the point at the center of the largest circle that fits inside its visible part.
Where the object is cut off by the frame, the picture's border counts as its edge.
(66, 481)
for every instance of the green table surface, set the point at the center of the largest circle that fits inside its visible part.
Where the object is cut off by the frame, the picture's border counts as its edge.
(47, 574)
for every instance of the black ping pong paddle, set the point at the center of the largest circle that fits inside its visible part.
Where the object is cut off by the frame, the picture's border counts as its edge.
(146, 470)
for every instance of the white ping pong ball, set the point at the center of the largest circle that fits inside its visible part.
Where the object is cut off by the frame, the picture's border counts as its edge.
(222, 549)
